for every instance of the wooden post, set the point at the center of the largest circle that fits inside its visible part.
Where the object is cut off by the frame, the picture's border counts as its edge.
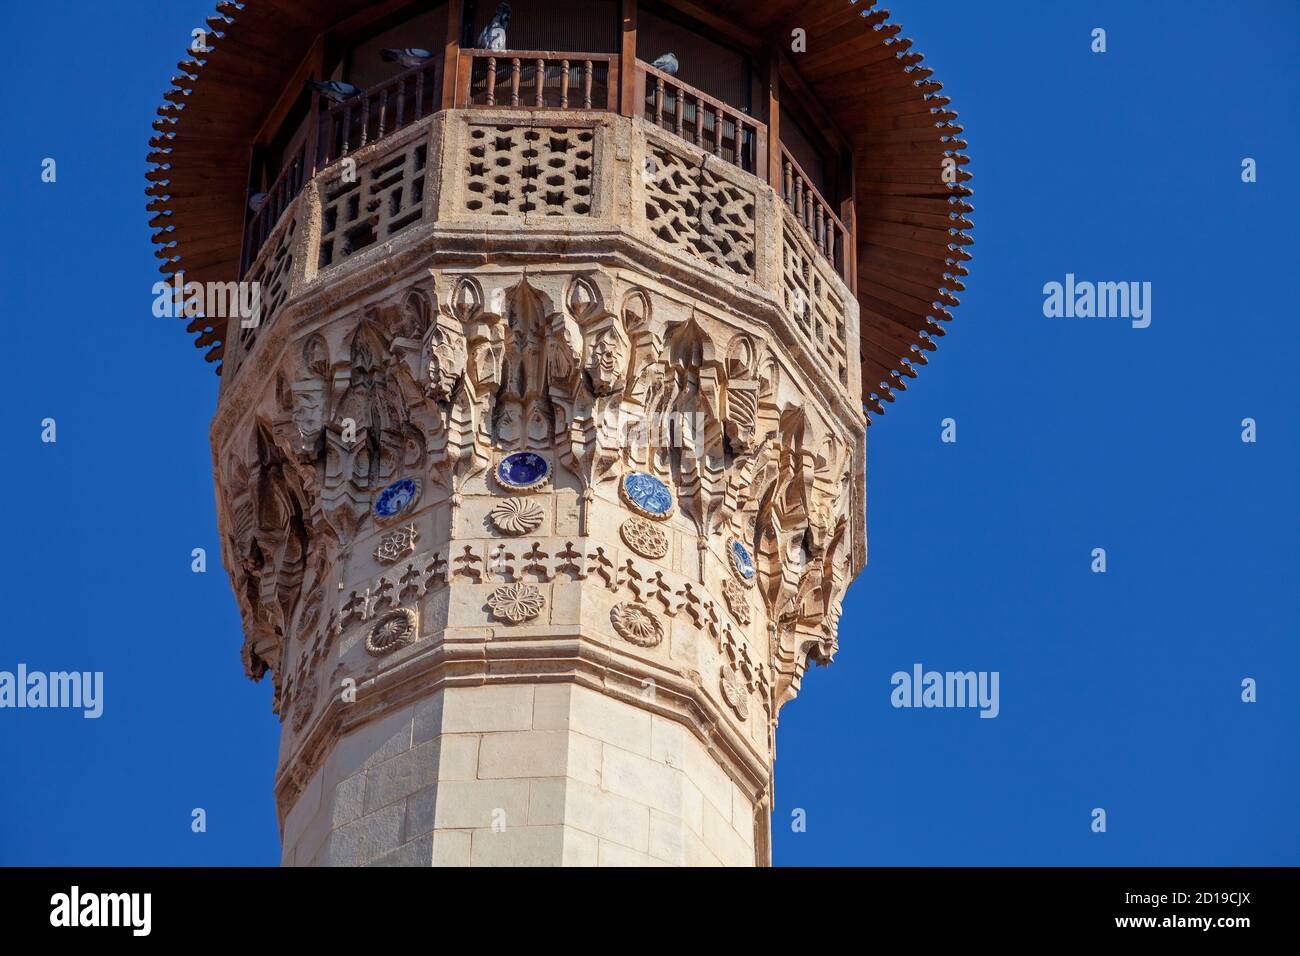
(627, 104)
(774, 121)
(451, 54)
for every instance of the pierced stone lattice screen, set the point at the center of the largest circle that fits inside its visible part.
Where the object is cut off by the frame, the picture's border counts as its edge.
(529, 170)
(813, 303)
(693, 207)
(271, 273)
(388, 196)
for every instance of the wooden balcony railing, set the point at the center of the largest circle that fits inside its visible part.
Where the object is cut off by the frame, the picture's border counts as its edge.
(530, 79)
(293, 176)
(696, 117)
(826, 230)
(538, 79)
(383, 109)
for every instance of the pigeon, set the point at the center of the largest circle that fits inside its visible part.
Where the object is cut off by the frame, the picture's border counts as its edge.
(667, 63)
(493, 36)
(409, 57)
(256, 201)
(334, 89)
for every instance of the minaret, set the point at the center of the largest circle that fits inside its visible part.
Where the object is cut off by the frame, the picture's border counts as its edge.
(540, 467)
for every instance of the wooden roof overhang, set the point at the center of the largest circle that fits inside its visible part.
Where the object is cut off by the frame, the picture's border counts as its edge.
(908, 176)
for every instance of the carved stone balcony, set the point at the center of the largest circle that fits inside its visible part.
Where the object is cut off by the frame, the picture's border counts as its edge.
(530, 184)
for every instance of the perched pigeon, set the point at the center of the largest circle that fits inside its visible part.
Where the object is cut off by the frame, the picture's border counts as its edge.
(334, 89)
(410, 56)
(256, 201)
(667, 63)
(493, 36)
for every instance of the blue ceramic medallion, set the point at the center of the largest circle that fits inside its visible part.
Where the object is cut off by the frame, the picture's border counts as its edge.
(523, 470)
(648, 495)
(741, 560)
(395, 498)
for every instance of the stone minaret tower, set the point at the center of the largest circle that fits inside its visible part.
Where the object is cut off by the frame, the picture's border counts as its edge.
(540, 466)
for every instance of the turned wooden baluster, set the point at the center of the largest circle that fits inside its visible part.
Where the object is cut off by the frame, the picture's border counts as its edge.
(659, 100)
(383, 111)
(516, 72)
(419, 94)
(564, 85)
(401, 105)
(492, 81)
(717, 131)
(541, 82)
(347, 129)
(365, 118)
(679, 103)
(699, 122)
(587, 70)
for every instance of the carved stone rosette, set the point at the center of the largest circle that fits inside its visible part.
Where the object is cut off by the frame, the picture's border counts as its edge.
(516, 603)
(393, 631)
(516, 516)
(636, 625)
(644, 538)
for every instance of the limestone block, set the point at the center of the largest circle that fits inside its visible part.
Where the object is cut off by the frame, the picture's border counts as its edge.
(418, 852)
(528, 753)
(723, 841)
(481, 803)
(711, 779)
(401, 776)
(486, 709)
(642, 779)
(667, 838)
(365, 839)
(451, 847)
(612, 854)
(607, 815)
(517, 846)
(611, 721)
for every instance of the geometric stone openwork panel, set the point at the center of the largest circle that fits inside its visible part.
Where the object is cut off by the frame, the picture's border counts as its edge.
(811, 299)
(692, 204)
(386, 197)
(529, 170)
(272, 271)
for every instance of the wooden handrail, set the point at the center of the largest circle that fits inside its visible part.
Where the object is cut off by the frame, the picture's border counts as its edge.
(292, 177)
(482, 86)
(749, 136)
(817, 217)
(384, 106)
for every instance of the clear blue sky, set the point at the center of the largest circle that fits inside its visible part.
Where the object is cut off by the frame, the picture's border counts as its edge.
(1119, 691)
